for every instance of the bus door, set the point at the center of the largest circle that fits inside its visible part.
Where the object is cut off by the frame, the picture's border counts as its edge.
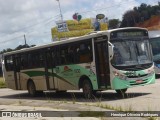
(17, 64)
(102, 62)
(50, 68)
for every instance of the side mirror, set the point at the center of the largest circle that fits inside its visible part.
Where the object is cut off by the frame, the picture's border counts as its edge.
(110, 48)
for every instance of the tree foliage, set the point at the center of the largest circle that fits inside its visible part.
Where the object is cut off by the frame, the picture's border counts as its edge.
(114, 23)
(139, 14)
(17, 48)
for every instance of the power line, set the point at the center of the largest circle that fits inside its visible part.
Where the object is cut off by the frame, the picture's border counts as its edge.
(51, 19)
(30, 26)
(119, 4)
(11, 39)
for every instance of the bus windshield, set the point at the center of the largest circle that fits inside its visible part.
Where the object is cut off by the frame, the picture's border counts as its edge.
(129, 52)
(155, 42)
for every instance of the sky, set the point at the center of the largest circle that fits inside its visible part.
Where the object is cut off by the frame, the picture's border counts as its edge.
(35, 18)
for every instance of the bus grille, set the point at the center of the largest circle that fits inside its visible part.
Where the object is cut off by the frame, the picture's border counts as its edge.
(137, 76)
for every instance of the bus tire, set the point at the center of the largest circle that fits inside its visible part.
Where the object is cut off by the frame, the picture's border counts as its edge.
(31, 88)
(87, 89)
(121, 91)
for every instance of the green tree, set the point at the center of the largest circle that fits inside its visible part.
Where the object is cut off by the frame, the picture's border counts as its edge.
(139, 14)
(114, 23)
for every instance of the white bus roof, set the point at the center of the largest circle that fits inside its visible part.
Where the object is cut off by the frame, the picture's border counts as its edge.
(87, 36)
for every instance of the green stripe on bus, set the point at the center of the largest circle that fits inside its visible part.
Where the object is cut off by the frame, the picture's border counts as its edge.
(42, 73)
(34, 73)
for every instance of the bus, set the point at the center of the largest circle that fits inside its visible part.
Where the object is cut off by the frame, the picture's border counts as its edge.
(155, 42)
(115, 59)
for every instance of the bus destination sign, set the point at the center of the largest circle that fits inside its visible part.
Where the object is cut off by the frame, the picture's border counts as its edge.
(128, 33)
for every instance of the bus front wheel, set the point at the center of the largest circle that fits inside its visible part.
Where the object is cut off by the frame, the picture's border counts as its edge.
(31, 89)
(121, 91)
(87, 89)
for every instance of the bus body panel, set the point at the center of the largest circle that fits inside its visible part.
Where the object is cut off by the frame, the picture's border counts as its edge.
(9, 80)
(36, 75)
(122, 84)
(126, 79)
(71, 75)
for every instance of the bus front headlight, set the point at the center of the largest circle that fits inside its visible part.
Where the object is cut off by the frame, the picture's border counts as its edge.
(119, 75)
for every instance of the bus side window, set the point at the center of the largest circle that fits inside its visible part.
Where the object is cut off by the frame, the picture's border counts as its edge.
(41, 60)
(55, 56)
(85, 53)
(9, 63)
(32, 60)
(49, 59)
(70, 55)
(34, 57)
(63, 57)
(29, 61)
(24, 61)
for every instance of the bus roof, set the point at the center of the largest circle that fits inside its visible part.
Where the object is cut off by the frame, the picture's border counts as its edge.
(69, 40)
(158, 36)
(126, 28)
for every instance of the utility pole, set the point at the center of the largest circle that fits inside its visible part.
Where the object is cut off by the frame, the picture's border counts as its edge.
(60, 10)
(25, 41)
(61, 16)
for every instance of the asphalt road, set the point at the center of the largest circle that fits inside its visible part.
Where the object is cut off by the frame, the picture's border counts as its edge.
(143, 98)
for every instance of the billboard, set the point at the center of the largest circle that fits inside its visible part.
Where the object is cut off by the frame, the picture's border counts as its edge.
(62, 26)
(75, 28)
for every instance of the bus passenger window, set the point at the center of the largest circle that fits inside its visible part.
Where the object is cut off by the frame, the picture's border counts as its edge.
(41, 60)
(70, 55)
(85, 54)
(9, 63)
(63, 57)
(24, 61)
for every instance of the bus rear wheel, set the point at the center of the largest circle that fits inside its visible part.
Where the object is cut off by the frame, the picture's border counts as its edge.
(87, 89)
(121, 91)
(31, 89)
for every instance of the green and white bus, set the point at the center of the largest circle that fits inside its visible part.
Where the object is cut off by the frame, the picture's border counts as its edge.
(115, 59)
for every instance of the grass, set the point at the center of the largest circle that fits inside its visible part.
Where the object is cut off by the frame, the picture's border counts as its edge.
(153, 118)
(2, 83)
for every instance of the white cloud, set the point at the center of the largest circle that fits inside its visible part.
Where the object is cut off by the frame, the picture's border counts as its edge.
(35, 18)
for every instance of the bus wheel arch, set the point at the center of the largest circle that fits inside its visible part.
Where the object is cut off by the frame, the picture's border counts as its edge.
(82, 78)
(87, 87)
(31, 88)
